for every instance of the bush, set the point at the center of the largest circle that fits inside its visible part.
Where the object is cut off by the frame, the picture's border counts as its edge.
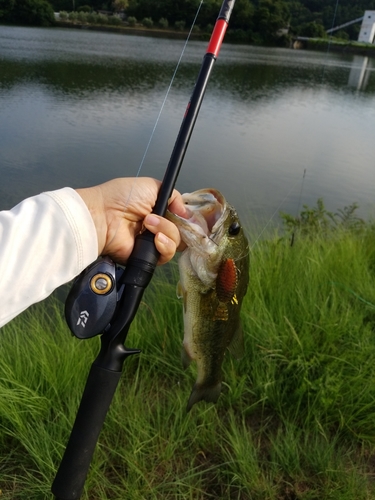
(342, 35)
(147, 22)
(238, 35)
(84, 8)
(132, 21)
(179, 25)
(82, 17)
(163, 23)
(256, 38)
(318, 220)
(101, 19)
(312, 30)
(92, 18)
(73, 16)
(114, 21)
(63, 15)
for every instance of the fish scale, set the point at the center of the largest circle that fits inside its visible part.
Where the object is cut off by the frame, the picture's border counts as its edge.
(214, 275)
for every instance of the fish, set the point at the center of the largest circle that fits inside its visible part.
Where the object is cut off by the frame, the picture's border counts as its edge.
(214, 276)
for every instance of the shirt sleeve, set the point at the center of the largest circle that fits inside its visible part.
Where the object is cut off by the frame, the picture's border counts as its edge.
(45, 241)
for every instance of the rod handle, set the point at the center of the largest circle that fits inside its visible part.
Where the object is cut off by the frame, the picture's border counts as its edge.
(97, 396)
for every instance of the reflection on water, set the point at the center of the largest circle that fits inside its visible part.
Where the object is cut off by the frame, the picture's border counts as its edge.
(360, 72)
(78, 107)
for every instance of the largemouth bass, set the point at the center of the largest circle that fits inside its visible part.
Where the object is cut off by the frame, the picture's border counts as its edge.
(214, 274)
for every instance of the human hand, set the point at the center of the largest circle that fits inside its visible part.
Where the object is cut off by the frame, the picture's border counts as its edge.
(120, 208)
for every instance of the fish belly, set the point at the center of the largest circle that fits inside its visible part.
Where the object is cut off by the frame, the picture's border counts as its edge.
(204, 342)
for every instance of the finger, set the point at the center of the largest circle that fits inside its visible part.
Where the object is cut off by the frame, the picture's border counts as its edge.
(162, 227)
(166, 247)
(157, 224)
(176, 205)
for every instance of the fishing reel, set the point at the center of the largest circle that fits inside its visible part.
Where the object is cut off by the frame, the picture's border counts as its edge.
(93, 298)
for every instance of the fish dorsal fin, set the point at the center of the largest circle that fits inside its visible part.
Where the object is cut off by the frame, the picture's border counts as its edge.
(226, 281)
(237, 346)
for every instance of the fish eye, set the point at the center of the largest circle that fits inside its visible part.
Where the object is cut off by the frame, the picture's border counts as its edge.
(234, 229)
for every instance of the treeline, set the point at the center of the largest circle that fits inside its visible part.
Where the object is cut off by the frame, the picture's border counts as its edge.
(27, 12)
(253, 21)
(261, 20)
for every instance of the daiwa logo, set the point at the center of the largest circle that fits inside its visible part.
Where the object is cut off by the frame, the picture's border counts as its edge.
(83, 317)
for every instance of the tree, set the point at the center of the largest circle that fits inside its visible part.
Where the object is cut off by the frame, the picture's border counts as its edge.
(6, 6)
(312, 30)
(269, 17)
(119, 5)
(31, 12)
(208, 12)
(242, 15)
(173, 10)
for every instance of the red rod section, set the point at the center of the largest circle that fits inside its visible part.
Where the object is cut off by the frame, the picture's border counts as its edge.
(217, 37)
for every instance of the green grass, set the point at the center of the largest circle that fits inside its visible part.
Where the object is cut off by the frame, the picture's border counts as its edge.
(296, 419)
(332, 43)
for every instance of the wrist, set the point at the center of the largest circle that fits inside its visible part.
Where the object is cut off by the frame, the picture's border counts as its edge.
(93, 200)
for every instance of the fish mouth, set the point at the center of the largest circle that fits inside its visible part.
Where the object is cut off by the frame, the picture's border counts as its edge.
(205, 210)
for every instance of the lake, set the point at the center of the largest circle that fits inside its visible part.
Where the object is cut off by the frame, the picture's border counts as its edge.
(77, 107)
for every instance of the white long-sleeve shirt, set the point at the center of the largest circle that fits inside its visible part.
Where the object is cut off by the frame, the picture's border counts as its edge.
(45, 241)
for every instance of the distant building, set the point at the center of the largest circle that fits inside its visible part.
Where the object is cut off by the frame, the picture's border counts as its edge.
(367, 31)
(282, 31)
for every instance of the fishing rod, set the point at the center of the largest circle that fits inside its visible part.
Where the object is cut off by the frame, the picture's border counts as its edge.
(105, 298)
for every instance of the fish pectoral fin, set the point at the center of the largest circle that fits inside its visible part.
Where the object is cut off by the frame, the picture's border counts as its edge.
(201, 392)
(179, 290)
(237, 346)
(186, 359)
(181, 294)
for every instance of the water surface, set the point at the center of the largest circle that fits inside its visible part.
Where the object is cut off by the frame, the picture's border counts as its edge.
(77, 108)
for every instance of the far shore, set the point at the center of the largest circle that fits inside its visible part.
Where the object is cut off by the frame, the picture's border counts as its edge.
(296, 43)
(319, 44)
(138, 30)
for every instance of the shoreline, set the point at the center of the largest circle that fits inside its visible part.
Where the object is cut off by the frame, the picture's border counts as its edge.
(299, 43)
(296, 43)
(320, 44)
(137, 31)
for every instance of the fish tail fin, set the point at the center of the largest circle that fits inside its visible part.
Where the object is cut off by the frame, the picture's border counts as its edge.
(201, 392)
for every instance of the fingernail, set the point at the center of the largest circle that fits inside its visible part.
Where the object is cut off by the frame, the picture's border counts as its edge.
(163, 239)
(152, 220)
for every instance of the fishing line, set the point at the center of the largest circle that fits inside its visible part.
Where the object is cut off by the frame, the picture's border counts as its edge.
(300, 193)
(169, 88)
(330, 37)
(160, 111)
(162, 108)
(299, 205)
(304, 172)
(333, 23)
(323, 76)
(275, 212)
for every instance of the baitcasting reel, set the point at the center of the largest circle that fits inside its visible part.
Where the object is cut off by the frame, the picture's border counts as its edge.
(92, 300)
